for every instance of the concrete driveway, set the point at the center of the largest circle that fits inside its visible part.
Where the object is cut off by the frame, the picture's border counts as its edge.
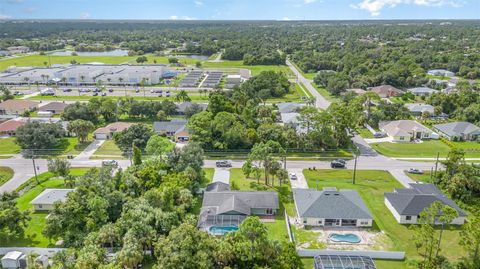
(378, 140)
(300, 182)
(88, 152)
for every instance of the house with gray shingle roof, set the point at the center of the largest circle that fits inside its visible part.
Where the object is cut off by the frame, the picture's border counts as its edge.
(331, 208)
(407, 204)
(406, 130)
(460, 130)
(45, 200)
(289, 107)
(175, 128)
(418, 109)
(224, 207)
(422, 91)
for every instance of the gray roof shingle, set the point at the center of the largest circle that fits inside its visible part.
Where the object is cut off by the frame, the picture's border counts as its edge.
(457, 128)
(50, 196)
(345, 204)
(414, 200)
(220, 202)
(173, 126)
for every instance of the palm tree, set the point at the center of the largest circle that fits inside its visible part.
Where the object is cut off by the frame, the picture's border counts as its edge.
(37, 83)
(64, 81)
(124, 85)
(182, 96)
(369, 97)
(82, 78)
(26, 79)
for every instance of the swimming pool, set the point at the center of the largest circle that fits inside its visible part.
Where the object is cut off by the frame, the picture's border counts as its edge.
(346, 238)
(221, 230)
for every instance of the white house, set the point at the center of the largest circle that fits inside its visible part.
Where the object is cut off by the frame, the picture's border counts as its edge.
(331, 208)
(406, 130)
(13, 260)
(407, 204)
(460, 130)
(46, 199)
(441, 72)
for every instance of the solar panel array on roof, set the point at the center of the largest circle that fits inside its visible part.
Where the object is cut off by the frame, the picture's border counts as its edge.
(191, 79)
(213, 79)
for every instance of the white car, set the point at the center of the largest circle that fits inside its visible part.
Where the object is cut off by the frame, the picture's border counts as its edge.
(110, 163)
(293, 176)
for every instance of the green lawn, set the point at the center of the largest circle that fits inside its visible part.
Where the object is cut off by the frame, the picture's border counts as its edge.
(371, 185)
(33, 232)
(71, 145)
(427, 149)
(108, 148)
(327, 95)
(6, 173)
(40, 60)
(364, 132)
(425, 177)
(8, 146)
(277, 230)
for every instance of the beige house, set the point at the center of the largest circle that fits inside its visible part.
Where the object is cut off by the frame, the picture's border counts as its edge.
(17, 106)
(107, 132)
(406, 130)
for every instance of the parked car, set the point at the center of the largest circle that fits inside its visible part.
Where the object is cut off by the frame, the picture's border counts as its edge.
(168, 90)
(379, 135)
(167, 94)
(338, 164)
(17, 93)
(95, 94)
(96, 90)
(110, 90)
(110, 163)
(104, 94)
(84, 90)
(160, 95)
(67, 90)
(415, 171)
(137, 90)
(223, 164)
(293, 176)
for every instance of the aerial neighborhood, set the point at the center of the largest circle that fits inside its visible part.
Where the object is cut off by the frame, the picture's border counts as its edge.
(240, 144)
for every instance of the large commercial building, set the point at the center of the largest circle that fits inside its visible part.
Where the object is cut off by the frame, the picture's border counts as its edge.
(87, 74)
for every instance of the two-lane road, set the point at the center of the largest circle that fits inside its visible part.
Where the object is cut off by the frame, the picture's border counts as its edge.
(320, 102)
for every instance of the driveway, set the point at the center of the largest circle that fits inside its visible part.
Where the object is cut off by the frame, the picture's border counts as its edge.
(88, 152)
(300, 182)
(221, 175)
(378, 140)
(400, 176)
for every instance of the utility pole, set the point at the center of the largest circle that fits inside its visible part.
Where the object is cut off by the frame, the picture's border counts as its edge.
(436, 164)
(355, 169)
(34, 166)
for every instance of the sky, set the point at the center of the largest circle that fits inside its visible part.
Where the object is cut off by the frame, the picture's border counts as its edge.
(240, 9)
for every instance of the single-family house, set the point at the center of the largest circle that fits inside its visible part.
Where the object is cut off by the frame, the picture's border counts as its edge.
(419, 109)
(289, 107)
(357, 91)
(422, 91)
(107, 132)
(331, 208)
(407, 204)
(9, 127)
(406, 130)
(175, 128)
(17, 106)
(224, 207)
(460, 130)
(14, 259)
(441, 73)
(46, 199)
(386, 91)
(53, 107)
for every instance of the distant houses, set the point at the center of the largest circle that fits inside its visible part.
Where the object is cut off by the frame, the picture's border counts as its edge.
(17, 106)
(9, 127)
(182, 107)
(289, 107)
(458, 131)
(419, 109)
(45, 200)
(422, 91)
(441, 73)
(55, 108)
(175, 128)
(407, 204)
(386, 91)
(108, 131)
(331, 208)
(406, 130)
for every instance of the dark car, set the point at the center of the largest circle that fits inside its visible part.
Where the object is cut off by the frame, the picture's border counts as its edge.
(67, 90)
(137, 90)
(415, 171)
(95, 94)
(110, 90)
(223, 164)
(338, 163)
(104, 94)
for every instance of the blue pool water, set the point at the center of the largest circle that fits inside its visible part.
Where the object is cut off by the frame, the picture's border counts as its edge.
(221, 230)
(347, 238)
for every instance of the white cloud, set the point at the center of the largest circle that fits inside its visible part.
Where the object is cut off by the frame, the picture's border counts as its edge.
(309, 1)
(375, 6)
(5, 17)
(84, 15)
(286, 19)
(185, 18)
(198, 3)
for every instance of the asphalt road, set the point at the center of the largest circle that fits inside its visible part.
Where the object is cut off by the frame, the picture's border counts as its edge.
(321, 102)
